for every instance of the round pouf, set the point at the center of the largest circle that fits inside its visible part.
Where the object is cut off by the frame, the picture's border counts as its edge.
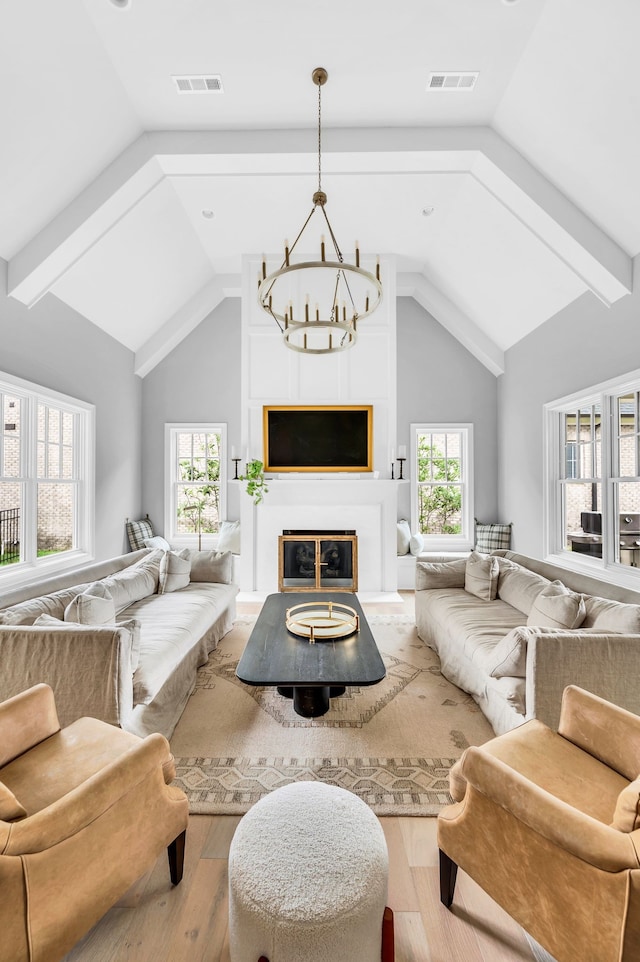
(308, 869)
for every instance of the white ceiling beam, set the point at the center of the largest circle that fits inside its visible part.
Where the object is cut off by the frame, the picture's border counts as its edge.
(445, 312)
(185, 321)
(125, 183)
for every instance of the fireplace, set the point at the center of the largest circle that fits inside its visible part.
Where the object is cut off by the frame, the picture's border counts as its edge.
(317, 560)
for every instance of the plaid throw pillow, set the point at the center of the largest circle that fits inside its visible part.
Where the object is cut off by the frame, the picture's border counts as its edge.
(137, 531)
(491, 537)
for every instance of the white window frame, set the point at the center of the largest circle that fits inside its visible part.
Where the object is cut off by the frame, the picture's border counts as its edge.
(32, 568)
(447, 542)
(172, 430)
(607, 568)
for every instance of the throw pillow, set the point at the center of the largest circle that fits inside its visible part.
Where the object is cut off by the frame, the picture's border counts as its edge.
(229, 537)
(492, 537)
(481, 576)
(136, 582)
(137, 531)
(212, 566)
(443, 574)
(557, 607)
(626, 817)
(157, 542)
(10, 808)
(404, 537)
(416, 545)
(518, 586)
(175, 568)
(509, 656)
(614, 616)
(94, 606)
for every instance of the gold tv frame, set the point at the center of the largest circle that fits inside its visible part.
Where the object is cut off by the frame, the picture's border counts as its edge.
(298, 469)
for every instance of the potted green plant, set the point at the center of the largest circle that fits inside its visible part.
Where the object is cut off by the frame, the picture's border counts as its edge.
(256, 484)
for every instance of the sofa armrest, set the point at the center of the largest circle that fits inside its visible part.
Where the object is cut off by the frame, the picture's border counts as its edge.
(605, 664)
(570, 829)
(88, 667)
(82, 806)
(25, 720)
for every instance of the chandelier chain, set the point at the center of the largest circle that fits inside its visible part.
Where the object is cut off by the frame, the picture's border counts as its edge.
(319, 137)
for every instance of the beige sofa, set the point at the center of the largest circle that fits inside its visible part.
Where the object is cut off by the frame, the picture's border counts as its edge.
(518, 645)
(138, 669)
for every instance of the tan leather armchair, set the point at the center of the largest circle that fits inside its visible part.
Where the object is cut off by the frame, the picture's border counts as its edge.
(84, 812)
(548, 824)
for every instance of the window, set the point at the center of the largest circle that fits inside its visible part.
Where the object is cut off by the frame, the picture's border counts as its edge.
(592, 497)
(196, 476)
(442, 485)
(46, 480)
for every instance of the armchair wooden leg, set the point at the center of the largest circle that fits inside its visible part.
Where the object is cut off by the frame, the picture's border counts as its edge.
(388, 953)
(175, 852)
(448, 872)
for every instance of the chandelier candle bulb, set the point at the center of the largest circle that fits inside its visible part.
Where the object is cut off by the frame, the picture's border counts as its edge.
(322, 257)
(377, 268)
(306, 310)
(357, 255)
(264, 267)
(317, 312)
(286, 253)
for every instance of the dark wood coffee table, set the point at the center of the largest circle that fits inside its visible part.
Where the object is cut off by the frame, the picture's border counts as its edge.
(310, 674)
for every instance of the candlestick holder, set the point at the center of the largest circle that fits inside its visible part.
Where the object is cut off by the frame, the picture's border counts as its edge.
(401, 460)
(392, 475)
(236, 461)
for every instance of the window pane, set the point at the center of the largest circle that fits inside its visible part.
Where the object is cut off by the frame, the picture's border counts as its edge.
(10, 510)
(54, 425)
(55, 517)
(53, 465)
(628, 523)
(582, 518)
(67, 462)
(440, 509)
(627, 414)
(570, 422)
(627, 457)
(11, 467)
(198, 508)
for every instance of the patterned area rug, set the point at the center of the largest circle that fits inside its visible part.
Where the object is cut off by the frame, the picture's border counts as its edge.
(392, 743)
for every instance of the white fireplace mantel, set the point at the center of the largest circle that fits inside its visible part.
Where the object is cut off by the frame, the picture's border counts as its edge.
(368, 506)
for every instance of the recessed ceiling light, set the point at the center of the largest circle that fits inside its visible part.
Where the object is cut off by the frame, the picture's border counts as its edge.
(427, 211)
(121, 3)
(508, 3)
(207, 214)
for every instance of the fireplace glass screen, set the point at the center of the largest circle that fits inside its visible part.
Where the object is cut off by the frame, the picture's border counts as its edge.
(311, 561)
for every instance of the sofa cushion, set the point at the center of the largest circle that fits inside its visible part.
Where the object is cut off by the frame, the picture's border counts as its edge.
(175, 567)
(137, 531)
(518, 586)
(229, 537)
(481, 576)
(557, 607)
(492, 537)
(10, 808)
(136, 582)
(614, 616)
(509, 657)
(626, 817)
(94, 606)
(403, 537)
(26, 612)
(443, 574)
(215, 567)
(157, 542)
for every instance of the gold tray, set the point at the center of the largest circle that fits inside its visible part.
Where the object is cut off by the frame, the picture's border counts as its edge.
(322, 621)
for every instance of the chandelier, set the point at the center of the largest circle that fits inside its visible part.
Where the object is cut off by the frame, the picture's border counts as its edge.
(317, 304)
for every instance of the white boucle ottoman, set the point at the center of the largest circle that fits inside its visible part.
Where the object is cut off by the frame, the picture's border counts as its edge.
(308, 868)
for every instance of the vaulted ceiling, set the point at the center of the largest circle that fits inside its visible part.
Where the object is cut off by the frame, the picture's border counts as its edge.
(501, 203)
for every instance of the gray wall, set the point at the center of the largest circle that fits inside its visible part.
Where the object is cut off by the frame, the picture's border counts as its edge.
(584, 344)
(199, 381)
(51, 345)
(439, 380)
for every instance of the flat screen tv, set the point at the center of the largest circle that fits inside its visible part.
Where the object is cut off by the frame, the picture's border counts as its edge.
(318, 438)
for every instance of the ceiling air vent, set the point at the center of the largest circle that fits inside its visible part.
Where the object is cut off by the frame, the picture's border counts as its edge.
(447, 80)
(199, 84)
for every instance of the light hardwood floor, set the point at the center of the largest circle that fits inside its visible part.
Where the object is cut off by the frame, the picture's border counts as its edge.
(157, 923)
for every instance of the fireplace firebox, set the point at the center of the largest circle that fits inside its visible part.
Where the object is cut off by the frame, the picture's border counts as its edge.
(318, 561)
